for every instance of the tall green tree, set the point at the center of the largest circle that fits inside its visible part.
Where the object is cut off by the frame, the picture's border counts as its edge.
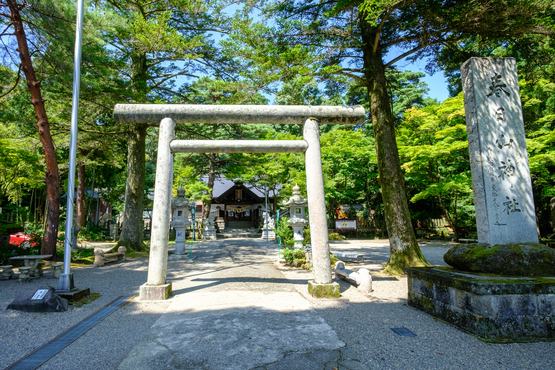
(349, 166)
(434, 153)
(156, 42)
(11, 11)
(352, 38)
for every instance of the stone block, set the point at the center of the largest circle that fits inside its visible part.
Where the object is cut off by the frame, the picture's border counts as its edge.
(43, 299)
(155, 292)
(330, 290)
(490, 307)
(545, 304)
(75, 295)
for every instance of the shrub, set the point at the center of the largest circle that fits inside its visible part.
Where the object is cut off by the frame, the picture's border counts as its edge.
(292, 255)
(92, 232)
(336, 236)
(285, 232)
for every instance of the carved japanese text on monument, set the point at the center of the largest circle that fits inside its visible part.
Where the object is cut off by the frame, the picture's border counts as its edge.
(499, 160)
(506, 167)
(497, 86)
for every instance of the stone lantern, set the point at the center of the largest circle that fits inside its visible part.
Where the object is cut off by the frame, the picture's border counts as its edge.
(297, 220)
(180, 220)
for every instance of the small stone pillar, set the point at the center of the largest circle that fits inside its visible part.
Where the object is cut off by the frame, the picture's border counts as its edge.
(180, 221)
(56, 269)
(7, 272)
(209, 232)
(297, 221)
(24, 276)
(501, 180)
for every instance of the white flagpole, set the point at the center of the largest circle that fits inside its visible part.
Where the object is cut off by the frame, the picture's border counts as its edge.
(65, 282)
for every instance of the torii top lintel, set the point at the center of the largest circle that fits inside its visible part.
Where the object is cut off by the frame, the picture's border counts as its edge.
(274, 114)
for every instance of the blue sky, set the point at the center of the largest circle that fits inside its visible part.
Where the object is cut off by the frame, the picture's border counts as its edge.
(437, 83)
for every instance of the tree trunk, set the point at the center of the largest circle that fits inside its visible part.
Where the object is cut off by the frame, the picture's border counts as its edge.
(52, 175)
(132, 229)
(80, 201)
(404, 248)
(211, 179)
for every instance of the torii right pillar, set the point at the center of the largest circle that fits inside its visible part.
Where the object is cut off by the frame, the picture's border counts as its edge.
(322, 285)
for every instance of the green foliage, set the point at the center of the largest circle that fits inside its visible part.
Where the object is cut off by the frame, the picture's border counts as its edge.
(194, 189)
(350, 169)
(83, 253)
(285, 233)
(9, 250)
(92, 232)
(336, 236)
(7, 227)
(290, 255)
(434, 150)
(20, 166)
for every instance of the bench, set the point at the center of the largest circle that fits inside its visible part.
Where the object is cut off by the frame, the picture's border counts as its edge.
(349, 256)
(100, 258)
(32, 261)
(362, 277)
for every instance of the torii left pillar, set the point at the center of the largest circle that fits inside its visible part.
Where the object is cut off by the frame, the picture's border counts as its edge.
(156, 287)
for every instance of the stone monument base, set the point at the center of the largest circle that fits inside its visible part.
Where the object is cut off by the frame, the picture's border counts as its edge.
(178, 257)
(209, 235)
(330, 290)
(268, 234)
(155, 292)
(492, 307)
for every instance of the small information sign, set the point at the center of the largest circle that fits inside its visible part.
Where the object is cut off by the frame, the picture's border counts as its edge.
(346, 224)
(39, 294)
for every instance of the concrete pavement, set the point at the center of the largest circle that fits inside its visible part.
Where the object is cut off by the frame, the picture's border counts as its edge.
(235, 308)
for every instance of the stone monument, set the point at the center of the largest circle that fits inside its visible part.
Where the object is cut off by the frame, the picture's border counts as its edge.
(209, 232)
(510, 298)
(297, 221)
(269, 229)
(180, 222)
(498, 157)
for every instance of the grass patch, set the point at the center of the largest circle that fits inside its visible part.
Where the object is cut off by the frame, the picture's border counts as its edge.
(85, 300)
(136, 254)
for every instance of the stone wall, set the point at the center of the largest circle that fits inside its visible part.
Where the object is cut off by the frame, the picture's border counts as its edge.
(494, 308)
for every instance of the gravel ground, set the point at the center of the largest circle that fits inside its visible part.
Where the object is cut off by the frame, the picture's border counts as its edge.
(362, 322)
(113, 337)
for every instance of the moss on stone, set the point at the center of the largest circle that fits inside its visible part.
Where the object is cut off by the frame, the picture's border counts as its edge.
(324, 290)
(400, 260)
(524, 259)
(85, 300)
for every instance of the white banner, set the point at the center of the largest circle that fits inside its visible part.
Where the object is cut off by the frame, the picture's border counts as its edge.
(346, 224)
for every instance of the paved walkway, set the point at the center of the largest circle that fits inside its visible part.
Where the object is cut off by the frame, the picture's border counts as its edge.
(234, 308)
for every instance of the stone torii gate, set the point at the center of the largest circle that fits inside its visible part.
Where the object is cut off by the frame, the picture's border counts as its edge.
(157, 288)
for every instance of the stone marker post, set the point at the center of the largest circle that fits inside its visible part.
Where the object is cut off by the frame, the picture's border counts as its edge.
(499, 161)
(156, 287)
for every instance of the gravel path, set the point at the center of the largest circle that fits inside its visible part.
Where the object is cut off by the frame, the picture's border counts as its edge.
(362, 323)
